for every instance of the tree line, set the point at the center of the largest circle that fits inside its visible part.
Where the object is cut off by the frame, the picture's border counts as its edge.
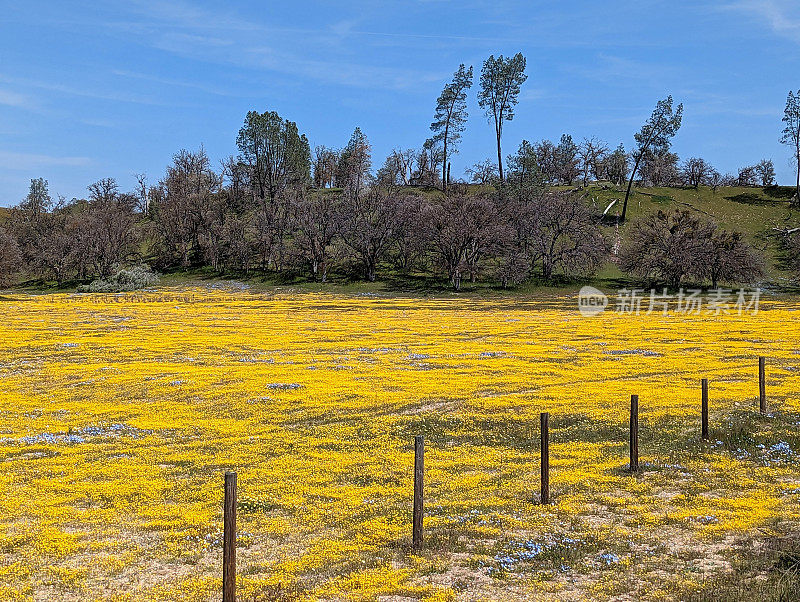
(279, 206)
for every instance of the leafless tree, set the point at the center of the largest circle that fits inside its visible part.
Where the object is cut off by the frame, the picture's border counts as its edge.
(666, 247)
(484, 172)
(324, 166)
(315, 216)
(456, 230)
(565, 236)
(748, 177)
(729, 258)
(179, 202)
(366, 224)
(695, 171)
(766, 172)
(398, 168)
(353, 171)
(791, 134)
(592, 152)
(10, 257)
(142, 193)
(428, 160)
(671, 246)
(110, 226)
(409, 247)
(660, 169)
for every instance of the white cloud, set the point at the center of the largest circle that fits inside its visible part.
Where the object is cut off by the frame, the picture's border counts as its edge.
(28, 161)
(782, 17)
(12, 99)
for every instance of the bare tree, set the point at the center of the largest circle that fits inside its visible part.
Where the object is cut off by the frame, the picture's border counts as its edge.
(484, 172)
(366, 226)
(315, 227)
(695, 171)
(455, 229)
(10, 257)
(178, 204)
(715, 179)
(591, 152)
(428, 160)
(109, 224)
(728, 258)
(324, 166)
(142, 194)
(398, 169)
(565, 236)
(766, 172)
(408, 248)
(748, 177)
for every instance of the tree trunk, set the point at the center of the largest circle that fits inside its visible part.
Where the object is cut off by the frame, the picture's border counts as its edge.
(628, 191)
(456, 280)
(499, 158)
(444, 158)
(797, 188)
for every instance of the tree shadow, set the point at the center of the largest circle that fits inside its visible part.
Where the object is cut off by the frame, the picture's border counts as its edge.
(770, 196)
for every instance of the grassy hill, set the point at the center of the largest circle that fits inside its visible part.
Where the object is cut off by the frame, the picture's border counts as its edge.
(760, 213)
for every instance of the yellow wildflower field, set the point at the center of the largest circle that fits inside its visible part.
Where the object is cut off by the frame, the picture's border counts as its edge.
(121, 414)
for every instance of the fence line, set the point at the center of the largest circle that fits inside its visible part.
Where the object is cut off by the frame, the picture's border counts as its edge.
(229, 507)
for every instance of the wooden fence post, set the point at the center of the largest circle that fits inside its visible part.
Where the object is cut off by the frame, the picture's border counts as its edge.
(419, 506)
(229, 540)
(634, 434)
(544, 418)
(762, 385)
(704, 384)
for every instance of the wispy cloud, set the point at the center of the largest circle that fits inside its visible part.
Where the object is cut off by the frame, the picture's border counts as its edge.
(85, 91)
(12, 99)
(168, 81)
(221, 37)
(28, 161)
(782, 16)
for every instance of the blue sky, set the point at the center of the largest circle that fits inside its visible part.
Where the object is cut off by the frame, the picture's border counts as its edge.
(97, 89)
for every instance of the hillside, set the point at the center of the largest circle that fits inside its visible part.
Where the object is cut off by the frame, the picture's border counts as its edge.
(760, 213)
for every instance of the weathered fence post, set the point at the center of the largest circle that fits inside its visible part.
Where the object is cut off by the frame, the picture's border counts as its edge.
(634, 435)
(704, 384)
(229, 540)
(419, 507)
(762, 385)
(544, 418)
